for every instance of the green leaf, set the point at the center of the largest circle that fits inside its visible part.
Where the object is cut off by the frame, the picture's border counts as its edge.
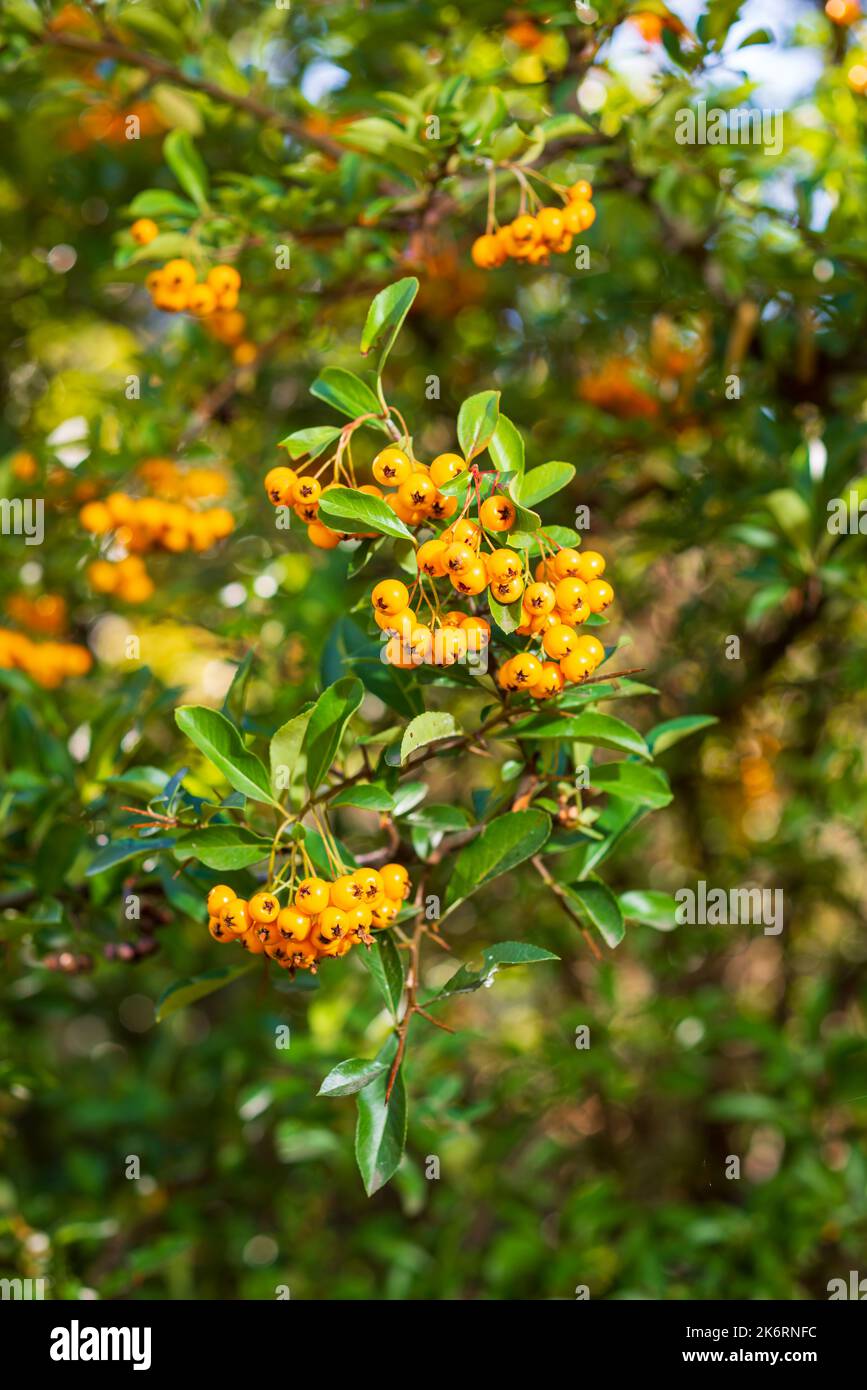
(505, 843)
(653, 908)
(673, 730)
(187, 165)
(351, 1076)
(427, 728)
(507, 618)
(162, 248)
(541, 482)
(328, 719)
(222, 745)
(506, 953)
(385, 317)
(367, 796)
(598, 905)
(385, 964)
(160, 202)
(347, 393)
(477, 421)
(311, 442)
(236, 695)
(507, 447)
(156, 29)
(633, 782)
(347, 509)
(222, 847)
(380, 1132)
(184, 992)
(600, 730)
(285, 752)
(120, 850)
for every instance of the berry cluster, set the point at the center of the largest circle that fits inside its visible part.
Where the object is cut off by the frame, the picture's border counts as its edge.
(141, 524)
(532, 237)
(412, 491)
(174, 288)
(325, 919)
(48, 663)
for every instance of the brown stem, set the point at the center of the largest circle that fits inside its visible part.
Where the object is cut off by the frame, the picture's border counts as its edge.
(554, 887)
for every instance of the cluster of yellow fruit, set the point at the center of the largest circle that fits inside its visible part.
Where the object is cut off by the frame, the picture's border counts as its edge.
(325, 919)
(412, 492)
(567, 589)
(175, 288)
(176, 484)
(532, 237)
(48, 663)
(141, 524)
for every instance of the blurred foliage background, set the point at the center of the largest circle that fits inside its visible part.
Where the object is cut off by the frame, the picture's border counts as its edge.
(707, 377)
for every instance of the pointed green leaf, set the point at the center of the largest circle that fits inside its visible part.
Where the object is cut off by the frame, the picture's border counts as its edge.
(673, 730)
(347, 509)
(385, 317)
(541, 482)
(505, 953)
(507, 447)
(477, 421)
(380, 1132)
(187, 165)
(222, 745)
(347, 393)
(222, 847)
(385, 964)
(644, 786)
(310, 443)
(505, 843)
(286, 752)
(328, 719)
(648, 906)
(427, 728)
(598, 905)
(351, 1076)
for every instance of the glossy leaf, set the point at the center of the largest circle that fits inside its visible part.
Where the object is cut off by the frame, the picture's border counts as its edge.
(222, 745)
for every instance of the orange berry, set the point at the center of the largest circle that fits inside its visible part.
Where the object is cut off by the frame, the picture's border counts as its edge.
(576, 667)
(143, 231)
(391, 466)
(599, 595)
(390, 596)
(293, 924)
(264, 907)
(430, 558)
(550, 224)
(488, 252)
(550, 683)
(395, 881)
(445, 467)
(345, 892)
(201, 300)
(569, 593)
(312, 896)
(218, 931)
(591, 565)
(591, 648)
(235, 916)
(559, 641)
(179, 274)
(372, 885)
(305, 491)
(504, 564)
(279, 483)
(567, 564)
(245, 354)
(96, 518)
(470, 580)
(538, 599)
(581, 192)
(400, 623)
(497, 513)
(525, 670)
(223, 278)
(252, 941)
(322, 536)
(525, 231)
(417, 491)
(507, 590)
(219, 897)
